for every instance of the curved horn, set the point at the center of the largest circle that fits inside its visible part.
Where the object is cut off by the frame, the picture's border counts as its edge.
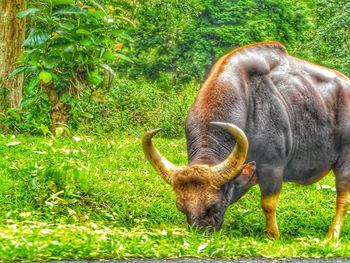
(163, 167)
(228, 169)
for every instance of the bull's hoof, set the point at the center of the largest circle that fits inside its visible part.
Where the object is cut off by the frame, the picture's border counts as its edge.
(273, 233)
(332, 234)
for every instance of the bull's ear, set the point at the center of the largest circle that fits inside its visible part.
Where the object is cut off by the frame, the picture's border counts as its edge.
(248, 175)
(243, 182)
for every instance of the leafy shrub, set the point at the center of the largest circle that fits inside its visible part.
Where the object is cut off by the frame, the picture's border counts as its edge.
(69, 54)
(135, 106)
(131, 106)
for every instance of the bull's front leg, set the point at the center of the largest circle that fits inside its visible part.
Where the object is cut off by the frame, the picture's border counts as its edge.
(269, 207)
(270, 183)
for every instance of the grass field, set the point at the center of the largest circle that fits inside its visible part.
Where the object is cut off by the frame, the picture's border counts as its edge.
(98, 198)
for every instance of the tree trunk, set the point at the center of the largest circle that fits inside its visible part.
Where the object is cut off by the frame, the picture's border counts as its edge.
(60, 117)
(12, 36)
(59, 110)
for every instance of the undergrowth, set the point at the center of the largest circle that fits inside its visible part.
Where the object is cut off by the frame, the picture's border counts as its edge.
(98, 198)
(130, 107)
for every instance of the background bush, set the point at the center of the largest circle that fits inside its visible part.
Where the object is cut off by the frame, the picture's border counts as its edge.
(136, 106)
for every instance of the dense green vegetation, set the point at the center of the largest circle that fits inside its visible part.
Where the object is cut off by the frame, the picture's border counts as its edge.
(75, 49)
(199, 32)
(89, 197)
(83, 190)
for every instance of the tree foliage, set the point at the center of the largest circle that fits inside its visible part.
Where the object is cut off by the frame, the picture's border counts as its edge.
(70, 52)
(74, 47)
(186, 39)
(155, 39)
(331, 41)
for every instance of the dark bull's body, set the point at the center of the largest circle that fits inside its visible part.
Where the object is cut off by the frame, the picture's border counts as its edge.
(296, 117)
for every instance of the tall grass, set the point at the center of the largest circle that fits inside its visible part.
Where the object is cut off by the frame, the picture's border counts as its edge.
(98, 198)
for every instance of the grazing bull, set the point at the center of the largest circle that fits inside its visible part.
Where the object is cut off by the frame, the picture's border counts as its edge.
(296, 118)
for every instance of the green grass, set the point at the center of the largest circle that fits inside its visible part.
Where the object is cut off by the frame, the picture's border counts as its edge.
(98, 198)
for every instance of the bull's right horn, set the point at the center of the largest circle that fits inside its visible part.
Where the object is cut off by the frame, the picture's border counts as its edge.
(229, 168)
(163, 167)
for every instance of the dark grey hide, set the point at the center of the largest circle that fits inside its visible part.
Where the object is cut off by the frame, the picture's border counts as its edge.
(296, 116)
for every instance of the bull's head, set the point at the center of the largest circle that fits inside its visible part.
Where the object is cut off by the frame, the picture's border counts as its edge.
(203, 192)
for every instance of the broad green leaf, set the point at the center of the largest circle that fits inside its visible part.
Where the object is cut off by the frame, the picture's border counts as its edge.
(28, 101)
(96, 14)
(30, 51)
(45, 77)
(62, 2)
(27, 12)
(68, 52)
(95, 79)
(123, 57)
(66, 98)
(98, 40)
(51, 62)
(108, 55)
(55, 52)
(87, 115)
(64, 36)
(45, 130)
(86, 42)
(23, 57)
(99, 7)
(44, 103)
(67, 25)
(99, 30)
(30, 87)
(36, 38)
(34, 63)
(69, 10)
(110, 42)
(17, 71)
(108, 68)
(69, 49)
(83, 32)
(14, 114)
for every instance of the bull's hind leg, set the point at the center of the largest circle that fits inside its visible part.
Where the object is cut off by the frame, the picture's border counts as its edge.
(343, 201)
(342, 175)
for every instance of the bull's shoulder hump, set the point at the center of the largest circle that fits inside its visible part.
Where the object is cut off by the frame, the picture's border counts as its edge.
(259, 58)
(258, 48)
(264, 57)
(318, 72)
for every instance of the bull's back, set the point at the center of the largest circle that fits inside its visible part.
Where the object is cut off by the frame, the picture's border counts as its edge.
(296, 121)
(290, 110)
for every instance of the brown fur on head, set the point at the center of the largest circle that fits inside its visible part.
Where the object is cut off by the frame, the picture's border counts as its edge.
(198, 197)
(202, 201)
(201, 189)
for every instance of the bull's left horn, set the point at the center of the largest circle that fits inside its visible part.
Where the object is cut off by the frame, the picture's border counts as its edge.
(228, 169)
(163, 167)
